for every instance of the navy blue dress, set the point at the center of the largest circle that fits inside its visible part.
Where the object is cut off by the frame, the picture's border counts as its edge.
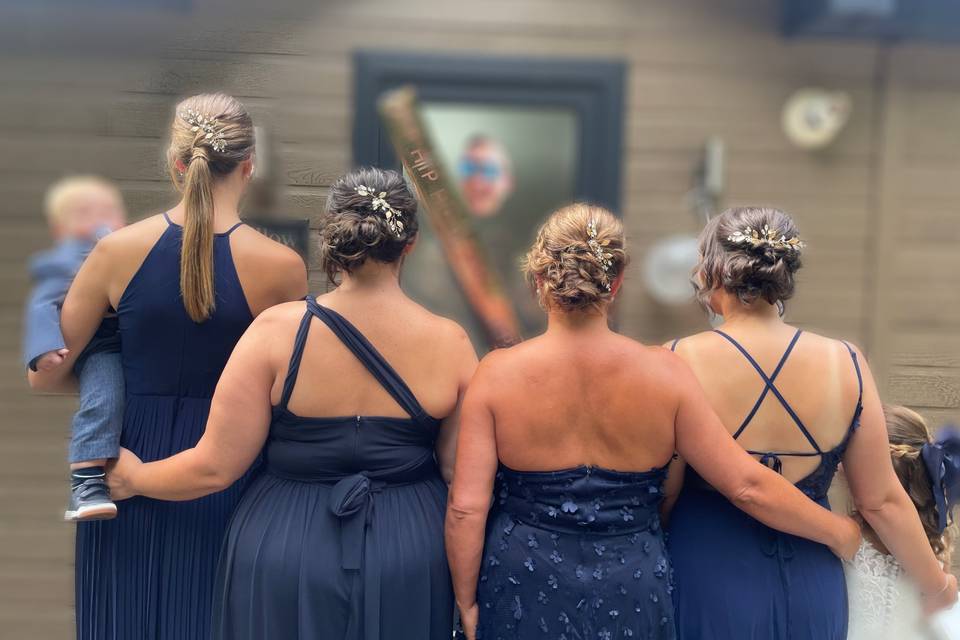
(738, 579)
(341, 534)
(576, 554)
(149, 573)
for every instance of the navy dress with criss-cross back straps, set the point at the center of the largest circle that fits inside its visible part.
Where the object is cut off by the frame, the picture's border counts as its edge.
(341, 535)
(737, 579)
(149, 574)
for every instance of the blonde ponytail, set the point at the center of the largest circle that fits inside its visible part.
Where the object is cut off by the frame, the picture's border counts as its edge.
(196, 255)
(211, 135)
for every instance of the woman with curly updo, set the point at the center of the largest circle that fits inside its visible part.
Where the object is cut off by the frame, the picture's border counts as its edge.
(354, 398)
(800, 404)
(571, 432)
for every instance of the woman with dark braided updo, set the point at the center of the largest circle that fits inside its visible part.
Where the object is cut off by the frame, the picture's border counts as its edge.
(571, 432)
(800, 403)
(355, 396)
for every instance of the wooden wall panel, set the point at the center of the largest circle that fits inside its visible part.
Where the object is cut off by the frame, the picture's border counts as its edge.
(917, 265)
(877, 208)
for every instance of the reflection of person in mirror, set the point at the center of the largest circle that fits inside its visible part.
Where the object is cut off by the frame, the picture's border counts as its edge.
(486, 175)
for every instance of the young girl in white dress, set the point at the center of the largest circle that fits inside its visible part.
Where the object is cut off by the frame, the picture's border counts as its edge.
(883, 603)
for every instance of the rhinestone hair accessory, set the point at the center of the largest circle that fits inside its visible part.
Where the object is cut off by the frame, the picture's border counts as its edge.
(379, 203)
(766, 237)
(210, 127)
(604, 258)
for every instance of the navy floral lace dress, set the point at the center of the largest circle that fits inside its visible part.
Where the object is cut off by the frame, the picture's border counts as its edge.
(576, 554)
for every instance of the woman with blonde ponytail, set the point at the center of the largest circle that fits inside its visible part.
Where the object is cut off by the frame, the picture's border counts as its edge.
(186, 284)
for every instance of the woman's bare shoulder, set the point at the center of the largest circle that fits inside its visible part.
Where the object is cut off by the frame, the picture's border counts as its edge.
(694, 339)
(271, 272)
(138, 237)
(445, 335)
(829, 343)
(275, 257)
(279, 317)
(258, 246)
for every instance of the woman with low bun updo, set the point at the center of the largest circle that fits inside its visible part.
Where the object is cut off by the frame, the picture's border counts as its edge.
(185, 285)
(800, 404)
(571, 433)
(354, 399)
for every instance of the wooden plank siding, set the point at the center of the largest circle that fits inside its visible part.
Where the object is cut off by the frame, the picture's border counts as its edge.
(878, 208)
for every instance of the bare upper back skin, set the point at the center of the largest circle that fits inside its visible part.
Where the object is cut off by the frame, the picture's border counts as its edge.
(818, 380)
(608, 401)
(427, 351)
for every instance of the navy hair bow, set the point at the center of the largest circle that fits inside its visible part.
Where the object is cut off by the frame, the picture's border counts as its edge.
(942, 460)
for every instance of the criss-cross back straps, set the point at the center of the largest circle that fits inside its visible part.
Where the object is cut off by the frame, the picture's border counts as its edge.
(365, 352)
(771, 387)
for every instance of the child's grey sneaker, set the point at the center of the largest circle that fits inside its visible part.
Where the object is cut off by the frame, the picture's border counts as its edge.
(90, 500)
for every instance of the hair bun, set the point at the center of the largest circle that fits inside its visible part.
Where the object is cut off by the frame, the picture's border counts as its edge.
(578, 253)
(371, 214)
(752, 252)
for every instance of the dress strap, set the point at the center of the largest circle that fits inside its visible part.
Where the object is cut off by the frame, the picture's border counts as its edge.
(368, 355)
(770, 387)
(294, 367)
(232, 229)
(673, 346)
(856, 367)
(171, 223)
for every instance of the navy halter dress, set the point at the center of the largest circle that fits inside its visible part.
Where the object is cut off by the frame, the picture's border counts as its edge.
(576, 554)
(341, 535)
(149, 574)
(737, 579)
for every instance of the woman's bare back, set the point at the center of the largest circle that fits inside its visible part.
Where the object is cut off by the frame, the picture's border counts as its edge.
(600, 400)
(430, 353)
(818, 381)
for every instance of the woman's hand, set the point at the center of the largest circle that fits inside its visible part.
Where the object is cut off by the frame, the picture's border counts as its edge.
(848, 539)
(469, 617)
(944, 598)
(121, 473)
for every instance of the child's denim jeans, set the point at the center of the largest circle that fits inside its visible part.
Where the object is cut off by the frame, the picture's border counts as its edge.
(96, 428)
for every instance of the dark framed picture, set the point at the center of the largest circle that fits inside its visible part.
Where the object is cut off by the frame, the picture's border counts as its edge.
(516, 138)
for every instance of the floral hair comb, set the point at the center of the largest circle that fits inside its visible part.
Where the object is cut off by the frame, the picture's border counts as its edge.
(766, 236)
(603, 257)
(210, 127)
(379, 203)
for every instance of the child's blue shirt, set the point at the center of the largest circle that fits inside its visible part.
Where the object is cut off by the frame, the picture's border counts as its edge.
(52, 272)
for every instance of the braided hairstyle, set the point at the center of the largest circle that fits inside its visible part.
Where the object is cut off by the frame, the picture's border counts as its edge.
(577, 255)
(908, 432)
